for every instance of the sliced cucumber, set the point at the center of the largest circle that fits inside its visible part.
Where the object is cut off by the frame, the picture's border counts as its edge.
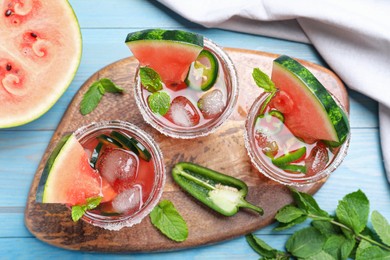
(132, 144)
(107, 140)
(203, 72)
(95, 155)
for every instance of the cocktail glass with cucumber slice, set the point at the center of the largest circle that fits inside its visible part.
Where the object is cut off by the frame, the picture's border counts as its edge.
(111, 174)
(297, 132)
(186, 86)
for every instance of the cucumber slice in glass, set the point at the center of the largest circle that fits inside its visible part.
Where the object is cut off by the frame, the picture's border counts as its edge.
(107, 140)
(95, 155)
(132, 144)
(203, 72)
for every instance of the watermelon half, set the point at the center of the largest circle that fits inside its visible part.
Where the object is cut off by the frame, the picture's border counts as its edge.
(169, 52)
(310, 111)
(40, 50)
(68, 177)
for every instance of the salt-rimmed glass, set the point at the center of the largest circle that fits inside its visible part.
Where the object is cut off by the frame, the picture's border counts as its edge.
(117, 222)
(231, 83)
(264, 166)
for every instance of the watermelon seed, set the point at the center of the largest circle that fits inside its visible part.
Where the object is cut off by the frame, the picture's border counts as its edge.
(8, 12)
(8, 67)
(33, 35)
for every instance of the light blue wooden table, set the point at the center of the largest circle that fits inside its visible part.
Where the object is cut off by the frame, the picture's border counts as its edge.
(104, 25)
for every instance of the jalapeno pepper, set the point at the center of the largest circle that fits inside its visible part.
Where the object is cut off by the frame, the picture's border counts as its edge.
(218, 191)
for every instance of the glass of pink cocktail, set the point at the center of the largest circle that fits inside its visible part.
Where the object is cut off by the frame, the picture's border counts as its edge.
(130, 162)
(194, 112)
(297, 132)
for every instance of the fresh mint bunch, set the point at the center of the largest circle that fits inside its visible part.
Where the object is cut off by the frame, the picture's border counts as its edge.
(342, 236)
(94, 94)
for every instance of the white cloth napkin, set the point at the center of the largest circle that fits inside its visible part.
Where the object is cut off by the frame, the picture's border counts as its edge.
(353, 37)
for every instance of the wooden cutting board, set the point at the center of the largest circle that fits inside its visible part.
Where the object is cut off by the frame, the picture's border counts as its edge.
(223, 151)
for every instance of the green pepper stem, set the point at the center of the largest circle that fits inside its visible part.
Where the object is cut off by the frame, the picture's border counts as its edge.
(245, 204)
(194, 179)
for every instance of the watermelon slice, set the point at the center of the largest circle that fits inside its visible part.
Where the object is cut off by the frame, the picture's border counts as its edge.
(169, 52)
(68, 178)
(310, 112)
(40, 50)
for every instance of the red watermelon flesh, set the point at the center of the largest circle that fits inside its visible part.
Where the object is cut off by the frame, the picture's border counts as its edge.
(72, 180)
(170, 59)
(305, 119)
(40, 49)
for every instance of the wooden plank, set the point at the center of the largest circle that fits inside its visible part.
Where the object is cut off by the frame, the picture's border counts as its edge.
(127, 14)
(31, 248)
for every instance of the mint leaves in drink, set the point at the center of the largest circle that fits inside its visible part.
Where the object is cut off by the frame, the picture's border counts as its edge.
(159, 102)
(150, 79)
(167, 219)
(94, 94)
(263, 81)
(342, 236)
(79, 210)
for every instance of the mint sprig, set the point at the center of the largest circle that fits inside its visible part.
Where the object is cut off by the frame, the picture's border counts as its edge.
(263, 81)
(150, 79)
(159, 102)
(167, 219)
(342, 236)
(79, 210)
(94, 94)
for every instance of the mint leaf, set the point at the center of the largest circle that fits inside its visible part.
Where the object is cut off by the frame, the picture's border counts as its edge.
(159, 102)
(77, 212)
(263, 249)
(339, 246)
(307, 203)
(110, 86)
(283, 226)
(353, 211)
(362, 245)
(150, 79)
(326, 228)
(373, 253)
(91, 99)
(93, 202)
(166, 218)
(94, 94)
(263, 81)
(305, 242)
(288, 213)
(381, 227)
(321, 255)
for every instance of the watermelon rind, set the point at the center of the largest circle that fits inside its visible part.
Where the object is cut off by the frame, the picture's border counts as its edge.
(64, 82)
(165, 35)
(49, 165)
(335, 115)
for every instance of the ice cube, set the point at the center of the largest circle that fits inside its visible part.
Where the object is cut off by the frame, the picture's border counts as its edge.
(267, 144)
(129, 200)
(212, 103)
(317, 160)
(182, 112)
(119, 167)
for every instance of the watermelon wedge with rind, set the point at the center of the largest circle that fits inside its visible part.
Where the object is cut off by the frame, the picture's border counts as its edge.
(69, 179)
(169, 52)
(40, 52)
(310, 111)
